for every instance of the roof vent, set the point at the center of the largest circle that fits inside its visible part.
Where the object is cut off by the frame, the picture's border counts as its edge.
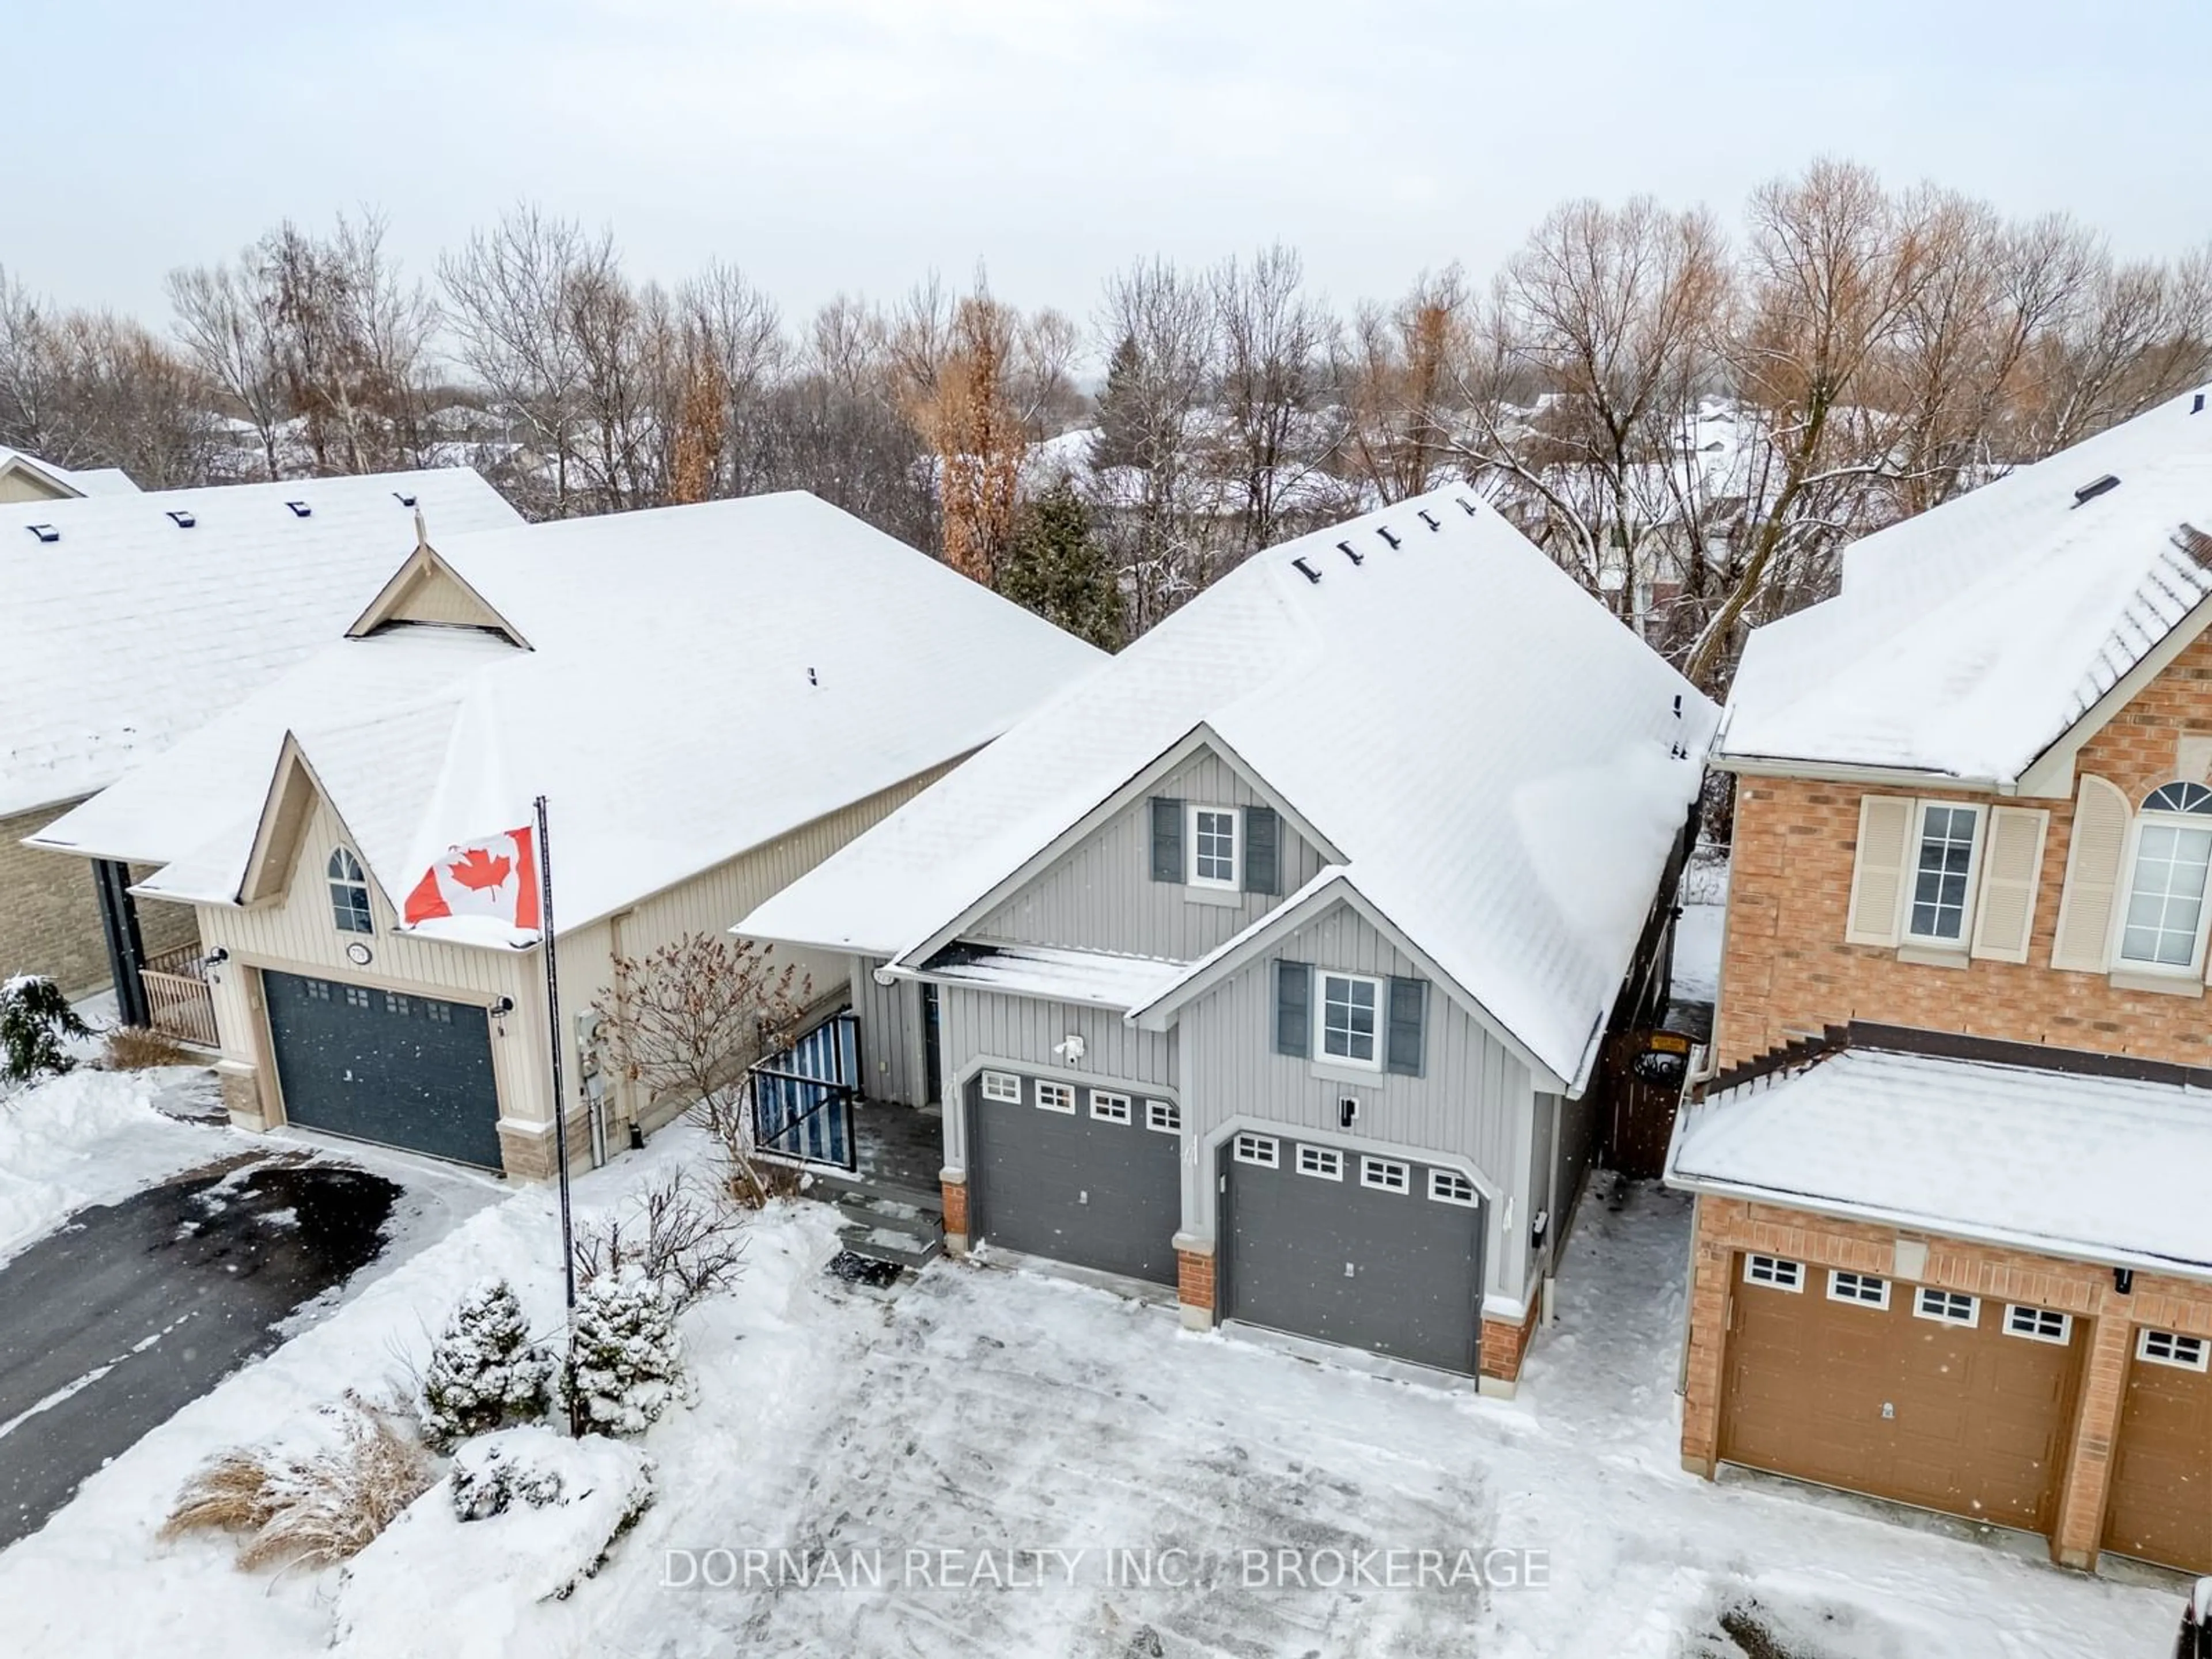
(2198, 407)
(45, 532)
(1383, 531)
(2096, 486)
(300, 509)
(1305, 569)
(404, 497)
(1465, 505)
(1429, 519)
(1351, 553)
(181, 519)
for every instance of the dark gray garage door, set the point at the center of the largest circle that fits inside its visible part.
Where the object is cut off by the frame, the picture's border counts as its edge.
(1376, 1252)
(1077, 1175)
(406, 1071)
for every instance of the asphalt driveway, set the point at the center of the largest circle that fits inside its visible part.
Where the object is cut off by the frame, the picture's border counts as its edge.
(132, 1310)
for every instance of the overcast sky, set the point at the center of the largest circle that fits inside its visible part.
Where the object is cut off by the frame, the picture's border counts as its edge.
(829, 144)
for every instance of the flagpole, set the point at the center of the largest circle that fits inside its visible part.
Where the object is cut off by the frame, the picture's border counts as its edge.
(560, 1101)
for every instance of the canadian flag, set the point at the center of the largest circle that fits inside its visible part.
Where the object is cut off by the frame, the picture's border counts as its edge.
(496, 876)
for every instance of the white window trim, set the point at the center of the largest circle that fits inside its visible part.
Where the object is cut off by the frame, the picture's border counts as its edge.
(1163, 1117)
(1375, 1172)
(1793, 1281)
(1944, 1316)
(1117, 1108)
(1836, 1275)
(1321, 1057)
(1263, 1150)
(1328, 1163)
(2144, 1343)
(2059, 1338)
(1235, 882)
(2162, 975)
(1049, 1094)
(1003, 1087)
(1906, 937)
(1445, 1185)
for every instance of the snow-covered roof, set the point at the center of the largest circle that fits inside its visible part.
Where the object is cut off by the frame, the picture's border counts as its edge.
(2103, 1169)
(1968, 640)
(698, 680)
(1104, 979)
(129, 627)
(1494, 758)
(75, 480)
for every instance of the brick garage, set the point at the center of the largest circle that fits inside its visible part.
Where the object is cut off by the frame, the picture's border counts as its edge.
(50, 914)
(1729, 1227)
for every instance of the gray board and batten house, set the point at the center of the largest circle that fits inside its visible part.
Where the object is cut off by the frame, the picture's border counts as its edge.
(1270, 961)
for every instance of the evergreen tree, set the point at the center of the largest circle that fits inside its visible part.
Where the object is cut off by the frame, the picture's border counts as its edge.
(35, 1018)
(1057, 568)
(627, 1360)
(483, 1374)
(1120, 440)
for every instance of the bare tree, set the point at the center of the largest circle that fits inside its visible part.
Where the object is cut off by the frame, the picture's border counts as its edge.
(1833, 266)
(683, 1022)
(1278, 432)
(1399, 375)
(962, 361)
(228, 324)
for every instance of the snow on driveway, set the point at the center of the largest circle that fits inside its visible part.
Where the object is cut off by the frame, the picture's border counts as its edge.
(988, 1410)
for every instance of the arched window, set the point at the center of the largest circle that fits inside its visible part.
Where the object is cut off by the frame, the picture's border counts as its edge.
(348, 894)
(2165, 894)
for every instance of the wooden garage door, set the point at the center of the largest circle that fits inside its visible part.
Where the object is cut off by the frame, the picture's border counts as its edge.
(1844, 1381)
(2161, 1507)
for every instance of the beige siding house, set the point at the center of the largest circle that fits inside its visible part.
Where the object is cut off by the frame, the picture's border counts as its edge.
(706, 716)
(126, 620)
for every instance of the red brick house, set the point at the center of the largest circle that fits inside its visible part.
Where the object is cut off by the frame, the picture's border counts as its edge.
(1951, 1246)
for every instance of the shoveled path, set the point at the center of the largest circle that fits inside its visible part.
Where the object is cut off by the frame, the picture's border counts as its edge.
(132, 1310)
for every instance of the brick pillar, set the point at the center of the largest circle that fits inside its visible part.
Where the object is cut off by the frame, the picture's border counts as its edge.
(1707, 1314)
(1505, 1346)
(955, 1215)
(2074, 1540)
(1195, 1288)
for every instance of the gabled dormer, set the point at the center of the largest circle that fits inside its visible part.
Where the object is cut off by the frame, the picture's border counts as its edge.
(428, 591)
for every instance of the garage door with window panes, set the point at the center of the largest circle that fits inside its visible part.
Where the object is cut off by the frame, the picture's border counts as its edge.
(401, 1070)
(1076, 1174)
(1923, 1396)
(1373, 1252)
(2159, 1508)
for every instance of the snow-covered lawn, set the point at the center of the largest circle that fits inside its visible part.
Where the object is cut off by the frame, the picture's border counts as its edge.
(988, 1410)
(1704, 898)
(94, 1137)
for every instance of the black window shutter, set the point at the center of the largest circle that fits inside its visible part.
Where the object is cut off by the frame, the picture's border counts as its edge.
(1167, 839)
(1409, 1006)
(1263, 836)
(1293, 1008)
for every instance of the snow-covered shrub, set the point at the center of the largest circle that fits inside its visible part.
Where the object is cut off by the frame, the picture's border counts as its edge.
(494, 1472)
(480, 1574)
(483, 1372)
(627, 1365)
(319, 1507)
(35, 1018)
(689, 1240)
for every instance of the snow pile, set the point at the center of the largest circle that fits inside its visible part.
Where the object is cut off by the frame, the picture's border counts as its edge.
(525, 1514)
(1700, 929)
(483, 1373)
(95, 1137)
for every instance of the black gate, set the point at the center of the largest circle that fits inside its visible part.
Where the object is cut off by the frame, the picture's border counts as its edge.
(802, 1095)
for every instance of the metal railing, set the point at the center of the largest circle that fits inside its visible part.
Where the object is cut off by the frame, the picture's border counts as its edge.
(801, 1097)
(178, 1001)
